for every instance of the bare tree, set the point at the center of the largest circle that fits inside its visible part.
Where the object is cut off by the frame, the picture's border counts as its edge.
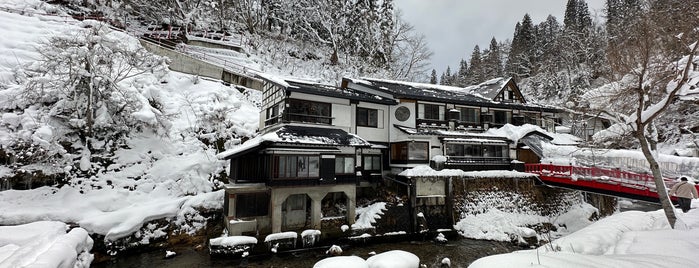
(411, 54)
(652, 71)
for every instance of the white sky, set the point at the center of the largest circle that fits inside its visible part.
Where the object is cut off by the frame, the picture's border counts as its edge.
(454, 27)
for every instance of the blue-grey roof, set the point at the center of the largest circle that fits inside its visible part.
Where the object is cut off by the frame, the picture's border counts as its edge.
(445, 94)
(332, 91)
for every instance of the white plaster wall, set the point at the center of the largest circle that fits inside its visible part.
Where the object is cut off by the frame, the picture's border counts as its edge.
(379, 133)
(397, 134)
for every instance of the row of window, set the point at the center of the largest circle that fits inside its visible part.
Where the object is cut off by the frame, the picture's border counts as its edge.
(301, 166)
(321, 113)
(476, 150)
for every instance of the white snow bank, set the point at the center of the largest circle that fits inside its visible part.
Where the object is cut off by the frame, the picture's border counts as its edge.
(497, 225)
(628, 239)
(368, 215)
(280, 236)
(427, 171)
(44, 244)
(389, 259)
(232, 241)
(114, 213)
(394, 259)
(342, 262)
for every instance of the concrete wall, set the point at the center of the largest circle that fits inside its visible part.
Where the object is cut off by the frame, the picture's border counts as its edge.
(184, 63)
(201, 43)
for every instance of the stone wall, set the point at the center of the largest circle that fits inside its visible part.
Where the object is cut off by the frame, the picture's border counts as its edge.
(475, 196)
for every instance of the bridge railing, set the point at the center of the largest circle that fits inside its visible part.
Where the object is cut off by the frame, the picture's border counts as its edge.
(610, 176)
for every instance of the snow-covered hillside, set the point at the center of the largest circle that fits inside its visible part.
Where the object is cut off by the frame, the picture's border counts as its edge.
(151, 171)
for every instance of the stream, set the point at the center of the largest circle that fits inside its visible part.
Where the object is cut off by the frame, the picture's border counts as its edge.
(461, 252)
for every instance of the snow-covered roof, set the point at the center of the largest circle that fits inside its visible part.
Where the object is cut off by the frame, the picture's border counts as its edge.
(488, 89)
(446, 94)
(333, 91)
(426, 171)
(301, 135)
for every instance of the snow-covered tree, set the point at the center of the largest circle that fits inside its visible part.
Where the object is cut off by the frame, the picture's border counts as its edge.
(433, 77)
(652, 72)
(79, 78)
(492, 63)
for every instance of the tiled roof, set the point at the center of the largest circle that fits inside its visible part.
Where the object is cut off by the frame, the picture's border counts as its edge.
(448, 94)
(332, 91)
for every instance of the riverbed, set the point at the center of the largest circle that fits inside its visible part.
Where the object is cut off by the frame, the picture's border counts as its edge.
(461, 252)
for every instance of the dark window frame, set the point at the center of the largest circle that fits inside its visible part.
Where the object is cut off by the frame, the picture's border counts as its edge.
(374, 163)
(365, 116)
(340, 160)
(282, 170)
(308, 111)
(431, 111)
(252, 204)
(403, 148)
(464, 115)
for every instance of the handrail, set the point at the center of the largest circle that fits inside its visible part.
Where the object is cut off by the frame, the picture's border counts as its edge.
(611, 176)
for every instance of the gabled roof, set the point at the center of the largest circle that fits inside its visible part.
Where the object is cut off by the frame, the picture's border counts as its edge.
(309, 87)
(491, 88)
(430, 92)
(298, 136)
(447, 94)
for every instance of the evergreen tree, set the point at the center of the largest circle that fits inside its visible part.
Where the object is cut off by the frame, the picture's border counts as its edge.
(570, 18)
(447, 78)
(460, 76)
(492, 65)
(433, 77)
(521, 57)
(475, 72)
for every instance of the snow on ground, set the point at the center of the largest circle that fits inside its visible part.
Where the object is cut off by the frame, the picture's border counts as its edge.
(232, 241)
(628, 239)
(153, 175)
(389, 259)
(368, 215)
(44, 244)
(342, 262)
(427, 171)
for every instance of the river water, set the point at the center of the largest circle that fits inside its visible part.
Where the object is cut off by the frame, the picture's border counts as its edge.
(461, 252)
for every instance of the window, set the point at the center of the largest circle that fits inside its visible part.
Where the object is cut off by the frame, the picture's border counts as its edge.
(470, 115)
(372, 162)
(430, 111)
(344, 165)
(272, 113)
(309, 111)
(292, 166)
(501, 117)
(251, 204)
(476, 150)
(494, 151)
(531, 118)
(410, 151)
(455, 149)
(367, 117)
(418, 151)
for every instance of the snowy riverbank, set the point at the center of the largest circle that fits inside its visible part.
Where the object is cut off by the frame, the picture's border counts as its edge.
(628, 239)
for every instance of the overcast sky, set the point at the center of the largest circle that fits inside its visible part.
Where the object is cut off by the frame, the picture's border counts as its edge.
(454, 27)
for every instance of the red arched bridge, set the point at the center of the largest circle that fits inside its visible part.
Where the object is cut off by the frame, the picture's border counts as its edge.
(613, 182)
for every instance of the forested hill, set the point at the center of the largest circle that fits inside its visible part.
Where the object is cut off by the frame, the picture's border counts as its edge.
(341, 38)
(575, 62)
